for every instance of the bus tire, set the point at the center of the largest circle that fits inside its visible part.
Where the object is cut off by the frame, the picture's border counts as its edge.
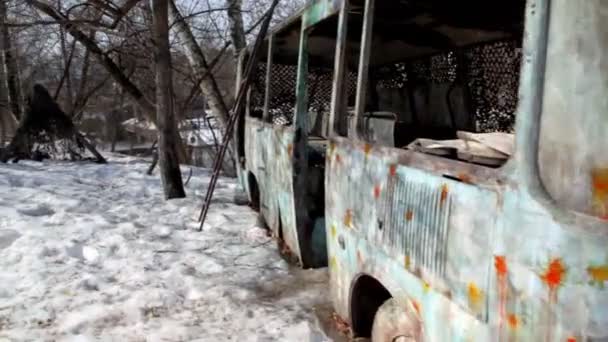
(394, 323)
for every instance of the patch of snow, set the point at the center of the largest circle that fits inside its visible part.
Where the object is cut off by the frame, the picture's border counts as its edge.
(93, 253)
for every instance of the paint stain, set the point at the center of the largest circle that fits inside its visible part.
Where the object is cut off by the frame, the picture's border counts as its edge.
(359, 257)
(407, 262)
(500, 263)
(338, 159)
(475, 297)
(513, 321)
(290, 150)
(367, 149)
(426, 287)
(465, 178)
(409, 215)
(417, 307)
(392, 170)
(332, 147)
(598, 275)
(599, 180)
(571, 339)
(444, 193)
(332, 262)
(333, 231)
(554, 274)
(377, 191)
(348, 218)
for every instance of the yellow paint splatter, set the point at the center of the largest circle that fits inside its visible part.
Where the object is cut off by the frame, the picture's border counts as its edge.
(348, 218)
(407, 262)
(332, 231)
(475, 297)
(332, 262)
(426, 287)
(598, 274)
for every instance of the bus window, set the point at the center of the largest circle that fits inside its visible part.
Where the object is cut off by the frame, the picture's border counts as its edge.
(440, 90)
(572, 158)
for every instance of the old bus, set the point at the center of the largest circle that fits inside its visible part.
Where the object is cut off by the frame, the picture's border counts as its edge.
(282, 140)
(467, 189)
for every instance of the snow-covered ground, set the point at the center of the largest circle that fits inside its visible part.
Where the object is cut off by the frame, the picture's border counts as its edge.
(92, 252)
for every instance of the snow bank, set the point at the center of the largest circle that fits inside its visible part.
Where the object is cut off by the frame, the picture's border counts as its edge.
(90, 252)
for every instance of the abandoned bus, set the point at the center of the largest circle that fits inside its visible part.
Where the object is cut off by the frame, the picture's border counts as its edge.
(282, 139)
(467, 188)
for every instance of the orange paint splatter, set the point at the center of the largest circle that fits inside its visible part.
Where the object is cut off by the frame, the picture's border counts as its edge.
(348, 218)
(416, 306)
(475, 296)
(598, 274)
(444, 193)
(465, 178)
(289, 150)
(513, 321)
(599, 181)
(377, 191)
(554, 274)
(367, 149)
(571, 339)
(409, 215)
(392, 170)
(500, 263)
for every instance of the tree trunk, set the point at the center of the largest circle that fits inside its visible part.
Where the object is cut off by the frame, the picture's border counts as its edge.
(200, 66)
(8, 123)
(12, 69)
(167, 128)
(237, 29)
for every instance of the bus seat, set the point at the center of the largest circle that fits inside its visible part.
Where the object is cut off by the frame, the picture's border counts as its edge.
(378, 127)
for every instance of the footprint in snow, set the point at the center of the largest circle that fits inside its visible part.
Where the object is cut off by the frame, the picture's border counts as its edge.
(36, 210)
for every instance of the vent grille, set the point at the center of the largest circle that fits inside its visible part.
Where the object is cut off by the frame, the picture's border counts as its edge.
(413, 222)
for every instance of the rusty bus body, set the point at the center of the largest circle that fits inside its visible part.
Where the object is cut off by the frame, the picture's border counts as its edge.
(468, 252)
(439, 248)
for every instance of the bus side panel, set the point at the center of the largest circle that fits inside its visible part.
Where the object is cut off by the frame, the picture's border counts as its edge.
(426, 238)
(551, 273)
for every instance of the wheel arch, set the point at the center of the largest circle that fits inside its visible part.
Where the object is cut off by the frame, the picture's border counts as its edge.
(367, 294)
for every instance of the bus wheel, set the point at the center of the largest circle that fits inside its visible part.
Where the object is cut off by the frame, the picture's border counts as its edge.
(394, 324)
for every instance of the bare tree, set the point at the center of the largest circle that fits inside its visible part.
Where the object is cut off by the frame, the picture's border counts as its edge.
(237, 29)
(167, 129)
(13, 80)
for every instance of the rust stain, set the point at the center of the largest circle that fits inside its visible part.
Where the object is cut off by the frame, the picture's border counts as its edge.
(409, 215)
(554, 274)
(513, 321)
(444, 193)
(475, 296)
(290, 150)
(599, 180)
(392, 170)
(348, 218)
(598, 274)
(377, 191)
(333, 231)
